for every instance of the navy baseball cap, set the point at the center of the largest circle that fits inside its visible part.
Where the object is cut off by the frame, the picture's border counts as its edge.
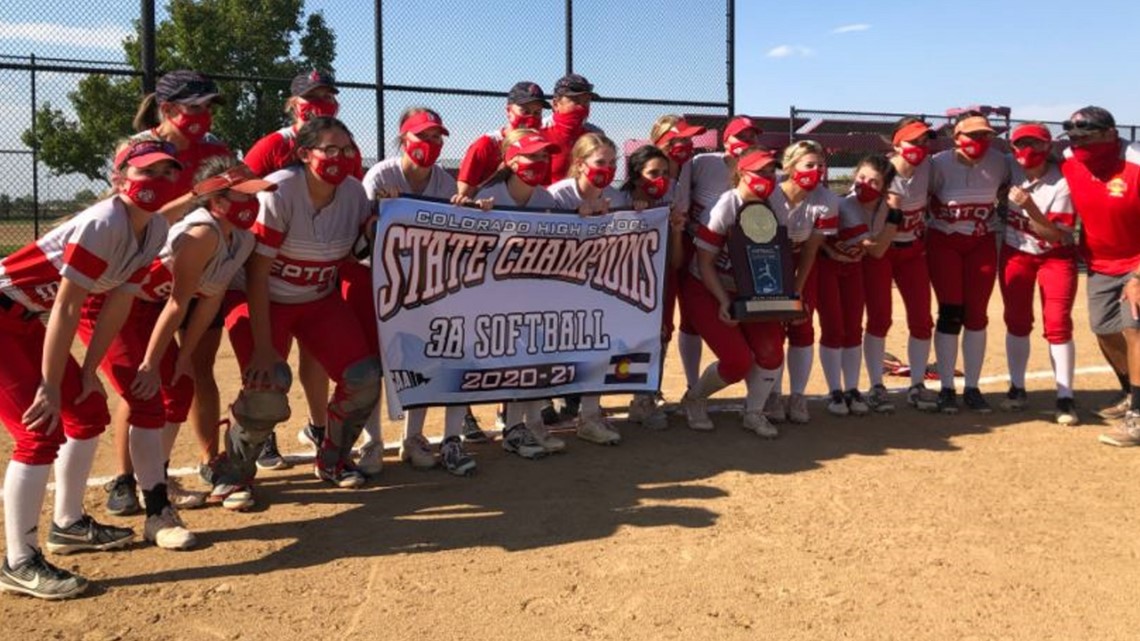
(187, 88)
(574, 85)
(305, 82)
(526, 92)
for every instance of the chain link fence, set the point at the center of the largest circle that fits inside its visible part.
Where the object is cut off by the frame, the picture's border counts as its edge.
(445, 54)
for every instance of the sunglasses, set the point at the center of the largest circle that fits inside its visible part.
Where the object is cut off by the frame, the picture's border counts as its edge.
(1082, 126)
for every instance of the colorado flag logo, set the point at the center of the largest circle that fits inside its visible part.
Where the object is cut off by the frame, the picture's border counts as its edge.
(628, 369)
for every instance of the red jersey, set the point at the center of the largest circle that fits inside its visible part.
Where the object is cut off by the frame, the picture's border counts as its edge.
(275, 151)
(1109, 211)
(482, 159)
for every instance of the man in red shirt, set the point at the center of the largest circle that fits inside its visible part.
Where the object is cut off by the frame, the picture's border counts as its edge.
(525, 103)
(573, 95)
(1104, 177)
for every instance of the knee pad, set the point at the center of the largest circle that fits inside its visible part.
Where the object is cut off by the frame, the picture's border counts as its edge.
(362, 382)
(951, 318)
(259, 410)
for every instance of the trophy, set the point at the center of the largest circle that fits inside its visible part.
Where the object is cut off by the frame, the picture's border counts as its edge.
(762, 266)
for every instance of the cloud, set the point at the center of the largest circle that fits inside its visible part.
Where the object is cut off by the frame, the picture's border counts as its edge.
(786, 51)
(102, 37)
(850, 28)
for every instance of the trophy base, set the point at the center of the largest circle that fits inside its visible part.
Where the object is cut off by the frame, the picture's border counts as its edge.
(767, 309)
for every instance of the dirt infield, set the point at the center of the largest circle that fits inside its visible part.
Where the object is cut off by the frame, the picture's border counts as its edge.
(904, 527)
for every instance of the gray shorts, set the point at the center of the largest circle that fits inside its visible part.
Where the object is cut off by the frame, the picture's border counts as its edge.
(1107, 314)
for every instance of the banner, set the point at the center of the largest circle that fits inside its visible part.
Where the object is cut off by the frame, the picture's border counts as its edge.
(480, 307)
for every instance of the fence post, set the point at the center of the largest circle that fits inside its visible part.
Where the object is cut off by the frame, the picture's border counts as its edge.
(569, 37)
(730, 55)
(379, 19)
(35, 157)
(147, 55)
(791, 124)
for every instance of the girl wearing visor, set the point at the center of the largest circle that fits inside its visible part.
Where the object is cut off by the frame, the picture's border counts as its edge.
(53, 408)
(749, 351)
(965, 184)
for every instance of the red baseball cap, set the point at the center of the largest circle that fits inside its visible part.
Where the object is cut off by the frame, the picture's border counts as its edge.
(755, 160)
(739, 124)
(422, 121)
(530, 144)
(680, 129)
(1031, 130)
(240, 179)
(145, 152)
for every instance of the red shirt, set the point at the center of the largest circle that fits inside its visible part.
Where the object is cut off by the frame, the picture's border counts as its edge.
(565, 138)
(275, 151)
(482, 159)
(1110, 213)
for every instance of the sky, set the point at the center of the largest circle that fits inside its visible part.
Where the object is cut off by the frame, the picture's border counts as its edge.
(1044, 59)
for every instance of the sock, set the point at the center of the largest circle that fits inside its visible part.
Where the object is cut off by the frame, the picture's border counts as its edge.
(874, 349)
(946, 352)
(1135, 398)
(72, 467)
(516, 413)
(591, 405)
(24, 489)
(155, 499)
(146, 456)
(372, 426)
(169, 435)
(1017, 356)
(530, 413)
(453, 416)
(414, 422)
(973, 355)
(852, 359)
(759, 384)
(831, 358)
(917, 354)
(690, 346)
(1125, 384)
(709, 383)
(799, 367)
(1064, 359)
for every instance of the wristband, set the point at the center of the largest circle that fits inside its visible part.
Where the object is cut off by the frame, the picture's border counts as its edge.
(894, 216)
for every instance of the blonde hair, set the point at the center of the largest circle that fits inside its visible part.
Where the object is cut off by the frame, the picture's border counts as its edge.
(662, 126)
(504, 171)
(586, 145)
(795, 151)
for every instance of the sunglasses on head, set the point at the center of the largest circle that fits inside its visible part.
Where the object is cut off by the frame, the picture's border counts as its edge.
(1082, 126)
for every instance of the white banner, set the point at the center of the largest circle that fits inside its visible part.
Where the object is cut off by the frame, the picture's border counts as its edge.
(479, 307)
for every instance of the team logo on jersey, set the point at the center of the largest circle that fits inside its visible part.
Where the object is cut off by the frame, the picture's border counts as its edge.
(1117, 187)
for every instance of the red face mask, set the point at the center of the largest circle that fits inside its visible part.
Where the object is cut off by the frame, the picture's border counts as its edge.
(1029, 157)
(681, 153)
(150, 194)
(240, 215)
(523, 121)
(422, 152)
(193, 126)
(573, 119)
(736, 147)
(973, 149)
(1101, 158)
(532, 173)
(866, 193)
(309, 109)
(760, 186)
(600, 177)
(655, 187)
(914, 155)
(809, 179)
(334, 171)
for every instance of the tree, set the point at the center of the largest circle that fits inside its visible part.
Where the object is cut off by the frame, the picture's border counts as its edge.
(247, 38)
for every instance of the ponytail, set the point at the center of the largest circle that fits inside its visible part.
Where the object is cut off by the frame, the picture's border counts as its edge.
(148, 116)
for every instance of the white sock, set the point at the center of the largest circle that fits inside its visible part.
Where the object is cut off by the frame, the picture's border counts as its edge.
(169, 436)
(1064, 358)
(874, 350)
(147, 456)
(973, 355)
(759, 384)
(414, 422)
(72, 467)
(530, 412)
(852, 359)
(690, 346)
(591, 405)
(372, 426)
(24, 489)
(799, 367)
(946, 352)
(831, 358)
(917, 354)
(453, 416)
(778, 388)
(1017, 357)
(709, 383)
(516, 413)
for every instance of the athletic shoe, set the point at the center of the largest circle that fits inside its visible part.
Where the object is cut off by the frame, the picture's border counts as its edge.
(1116, 410)
(948, 401)
(87, 535)
(879, 400)
(311, 436)
(519, 440)
(922, 399)
(856, 403)
(755, 422)
(270, 458)
(182, 498)
(1015, 399)
(836, 405)
(775, 409)
(166, 531)
(122, 495)
(644, 409)
(596, 429)
(455, 460)
(343, 474)
(696, 412)
(36, 577)
(417, 451)
(550, 415)
(371, 459)
(975, 402)
(541, 433)
(1066, 413)
(472, 433)
(1124, 434)
(232, 496)
(797, 409)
